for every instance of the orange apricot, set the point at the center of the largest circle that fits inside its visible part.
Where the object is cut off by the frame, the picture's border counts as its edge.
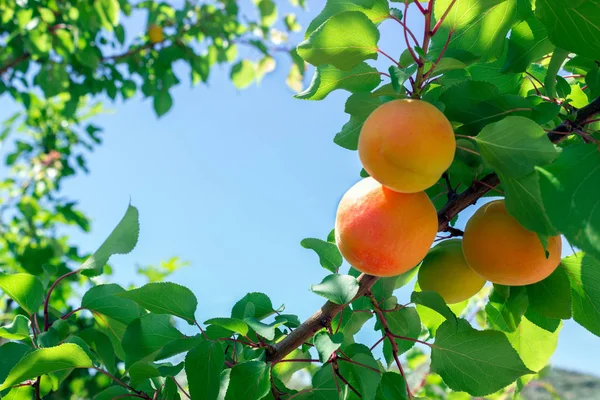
(382, 232)
(155, 34)
(445, 271)
(406, 145)
(499, 249)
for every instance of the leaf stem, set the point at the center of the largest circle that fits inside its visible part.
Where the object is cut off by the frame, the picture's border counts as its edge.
(388, 56)
(47, 301)
(442, 18)
(181, 388)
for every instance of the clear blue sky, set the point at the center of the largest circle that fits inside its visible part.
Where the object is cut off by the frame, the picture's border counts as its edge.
(232, 181)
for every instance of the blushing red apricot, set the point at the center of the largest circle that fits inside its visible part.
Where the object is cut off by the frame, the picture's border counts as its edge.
(382, 232)
(406, 145)
(499, 249)
(445, 270)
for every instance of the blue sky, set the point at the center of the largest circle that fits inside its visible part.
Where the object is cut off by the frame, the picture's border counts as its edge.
(232, 182)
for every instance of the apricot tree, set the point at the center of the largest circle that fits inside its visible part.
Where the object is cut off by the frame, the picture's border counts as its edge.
(496, 98)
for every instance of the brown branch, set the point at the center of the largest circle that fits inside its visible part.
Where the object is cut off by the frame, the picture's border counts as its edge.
(13, 63)
(325, 315)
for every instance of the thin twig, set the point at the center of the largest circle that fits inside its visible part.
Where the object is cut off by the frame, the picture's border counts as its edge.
(181, 388)
(47, 301)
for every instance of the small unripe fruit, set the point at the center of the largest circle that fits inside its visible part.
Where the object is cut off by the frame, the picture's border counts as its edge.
(382, 232)
(444, 270)
(406, 145)
(499, 249)
(155, 34)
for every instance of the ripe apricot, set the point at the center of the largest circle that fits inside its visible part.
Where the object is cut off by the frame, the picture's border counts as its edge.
(382, 232)
(445, 271)
(155, 34)
(499, 249)
(406, 145)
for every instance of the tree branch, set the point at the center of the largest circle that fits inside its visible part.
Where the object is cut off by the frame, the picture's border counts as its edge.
(325, 315)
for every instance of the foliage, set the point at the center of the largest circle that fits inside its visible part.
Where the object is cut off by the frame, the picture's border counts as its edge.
(519, 83)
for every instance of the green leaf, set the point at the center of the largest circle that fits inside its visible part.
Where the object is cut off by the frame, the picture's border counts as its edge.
(480, 27)
(18, 329)
(265, 330)
(249, 381)
(477, 362)
(203, 366)
(105, 300)
(284, 370)
(365, 380)
(339, 289)
(570, 190)
(551, 297)
(491, 72)
(392, 387)
(505, 313)
(268, 12)
(329, 255)
(111, 393)
(528, 43)
(534, 344)
(351, 323)
(344, 41)
(101, 344)
(558, 58)
(165, 298)
(592, 79)
(232, 324)
(434, 301)
(327, 344)
(361, 78)
(255, 304)
(572, 26)
(401, 75)
(375, 10)
(524, 202)
(44, 361)
(162, 102)
(515, 145)
(584, 274)
(243, 74)
(146, 336)
(10, 354)
(27, 290)
(324, 384)
(403, 322)
(120, 241)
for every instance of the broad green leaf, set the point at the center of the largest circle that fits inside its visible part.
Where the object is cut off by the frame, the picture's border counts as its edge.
(120, 241)
(549, 324)
(392, 387)
(18, 329)
(515, 145)
(146, 336)
(268, 12)
(434, 301)
(165, 298)
(361, 78)
(524, 202)
(249, 381)
(284, 370)
(534, 344)
(505, 82)
(327, 344)
(348, 136)
(203, 366)
(477, 362)
(364, 374)
(243, 74)
(27, 290)
(44, 361)
(344, 41)
(10, 354)
(339, 289)
(551, 297)
(324, 384)
(573, 26)
(111, 393)
(232, 324)
(375, 10)
(570, 190)
(505, 313)
(400, 75)
(170, 391)
(265, 330)
(584, 274)
(479, 26)
(101, 344)
(105, 299)
(162, 103)
(592, 79)
(329, 255)
(528, 43)
(289, 320)
(351, 323)
(403, 322)
(255, 304)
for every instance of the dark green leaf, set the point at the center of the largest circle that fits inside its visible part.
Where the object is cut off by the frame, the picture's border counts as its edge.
(339, 289)
(505, 313)
(257, 305)
(528, 43)
(557, 60)
(434, 301)
(327, 344)
(146, 336)
(203, 365)
(111, 393)
(232, 324)
(329, 255)
(162, 102)
(249, 381)
(551, 297)
(392, 387)
(105, 299)
(10, 354)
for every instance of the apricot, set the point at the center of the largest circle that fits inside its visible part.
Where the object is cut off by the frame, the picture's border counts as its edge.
(445, 271)
(382, 232)
(406, 145)
(155, 34)
(499, 249)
